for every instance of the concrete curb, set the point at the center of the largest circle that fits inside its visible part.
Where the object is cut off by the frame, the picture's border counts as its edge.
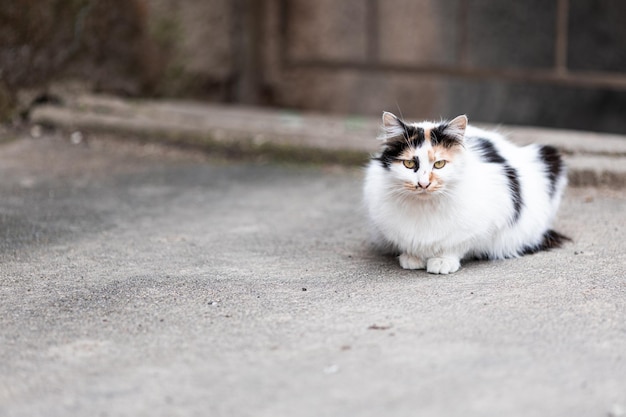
(593, 159)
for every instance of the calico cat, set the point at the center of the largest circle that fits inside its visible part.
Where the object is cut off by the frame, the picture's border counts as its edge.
(439, 193)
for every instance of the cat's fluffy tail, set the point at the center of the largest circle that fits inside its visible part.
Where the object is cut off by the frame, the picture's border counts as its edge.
(551, 240)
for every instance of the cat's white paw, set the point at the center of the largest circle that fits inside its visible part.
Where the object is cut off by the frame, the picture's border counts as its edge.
(442, 265)
(411, 262)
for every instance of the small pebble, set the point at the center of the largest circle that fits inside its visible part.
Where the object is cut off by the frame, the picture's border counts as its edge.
(378, 327)
(76, 137)
(36, 131)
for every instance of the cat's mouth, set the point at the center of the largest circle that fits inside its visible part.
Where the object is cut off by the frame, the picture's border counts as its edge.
(414, 188)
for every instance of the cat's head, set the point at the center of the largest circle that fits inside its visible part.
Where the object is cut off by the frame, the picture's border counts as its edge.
(423, 158)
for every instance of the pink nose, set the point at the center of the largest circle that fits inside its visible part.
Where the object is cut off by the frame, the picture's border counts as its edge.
(423, 184)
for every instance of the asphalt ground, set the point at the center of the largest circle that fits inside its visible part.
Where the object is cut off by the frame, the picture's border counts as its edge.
(146, 280)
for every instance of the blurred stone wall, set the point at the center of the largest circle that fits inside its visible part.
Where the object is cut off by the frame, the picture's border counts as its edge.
(558, 63)
(102, 43)
(555, 63)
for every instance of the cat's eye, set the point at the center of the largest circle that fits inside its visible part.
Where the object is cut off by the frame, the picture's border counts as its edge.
(439, 164)
(409, 163)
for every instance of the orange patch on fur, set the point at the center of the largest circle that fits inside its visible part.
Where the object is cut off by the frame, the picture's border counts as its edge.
(435, 184)
(427, 135)
(438, 153)
(434, 179)
(447, 154)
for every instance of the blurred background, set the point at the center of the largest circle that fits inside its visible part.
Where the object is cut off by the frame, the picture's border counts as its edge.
(552, 63)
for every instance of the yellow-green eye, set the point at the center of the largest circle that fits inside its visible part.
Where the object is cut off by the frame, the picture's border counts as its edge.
(440, 164)
(409, 163)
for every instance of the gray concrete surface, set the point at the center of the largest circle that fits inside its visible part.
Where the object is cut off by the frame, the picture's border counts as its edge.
(142, 280)
(593, 159)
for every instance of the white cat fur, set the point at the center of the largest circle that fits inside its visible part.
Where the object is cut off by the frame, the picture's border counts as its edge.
(471, 216)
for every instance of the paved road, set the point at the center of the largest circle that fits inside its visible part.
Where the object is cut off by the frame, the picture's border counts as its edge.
(146, 281)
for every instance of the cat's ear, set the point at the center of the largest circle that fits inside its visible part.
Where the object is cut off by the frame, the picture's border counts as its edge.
(390, 120)
(456, 127)
(392, 126)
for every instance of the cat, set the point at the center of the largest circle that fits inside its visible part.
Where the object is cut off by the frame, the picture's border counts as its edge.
(440, 193)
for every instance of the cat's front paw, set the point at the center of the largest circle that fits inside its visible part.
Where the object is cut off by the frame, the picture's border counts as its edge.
(411, 262)
(442, 265)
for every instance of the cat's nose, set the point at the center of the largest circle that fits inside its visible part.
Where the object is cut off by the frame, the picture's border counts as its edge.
(423, 184)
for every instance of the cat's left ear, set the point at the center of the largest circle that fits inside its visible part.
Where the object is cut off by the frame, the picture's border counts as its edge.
(392, 127)
(456, 127)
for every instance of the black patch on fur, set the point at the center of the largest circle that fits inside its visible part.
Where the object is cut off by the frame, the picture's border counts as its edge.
(490, 154)
(395, 146)
(516, 190)
(415, 134)
(438, 136)
(488, 151)
(554, 165)
(551, 240)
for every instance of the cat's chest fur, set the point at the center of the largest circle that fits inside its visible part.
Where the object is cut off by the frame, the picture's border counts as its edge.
(469, 211)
